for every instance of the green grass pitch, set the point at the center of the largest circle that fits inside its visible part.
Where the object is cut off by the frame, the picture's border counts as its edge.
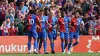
(57, 54)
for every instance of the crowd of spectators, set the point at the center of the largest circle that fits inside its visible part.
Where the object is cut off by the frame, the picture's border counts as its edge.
(13, 14)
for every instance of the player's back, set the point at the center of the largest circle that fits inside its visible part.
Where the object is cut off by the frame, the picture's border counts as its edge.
(31, 22)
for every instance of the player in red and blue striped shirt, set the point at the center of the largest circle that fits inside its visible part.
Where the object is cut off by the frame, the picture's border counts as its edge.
(32, 25)
(42, 34)
(75, 24)
(64, 30)
(52, 32)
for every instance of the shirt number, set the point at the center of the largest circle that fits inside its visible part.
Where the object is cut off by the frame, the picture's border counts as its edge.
(31, 21)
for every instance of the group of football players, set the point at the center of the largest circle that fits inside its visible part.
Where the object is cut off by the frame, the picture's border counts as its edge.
(48, 24)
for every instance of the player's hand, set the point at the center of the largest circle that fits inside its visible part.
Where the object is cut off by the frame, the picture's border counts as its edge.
(73, 28)
(62, 23)
(55, 26)
(58, 33)
(40, 20)
(47, 29)
(30, 23)
(50, 25)
(38, 27)
(17, 29)
(3, 8)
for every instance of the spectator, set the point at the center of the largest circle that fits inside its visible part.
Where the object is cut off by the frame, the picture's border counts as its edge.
(2, 13)
(99, 19)
(98, 11)
(53, 9)
(4, 29)
(37, 4)
(86, 20)
(8, 23)
(24, 9)
(92, 11)
(20, 14)
(92, 25)
(90, 30)
(98, 2)
(77, 6)
(13, 5)
(97, 28)
(26, 2)
(47, 4)
(10, 12)
(20, 26)
(18, 2)
(85, 7)
(63, 2)
(59, 3)
(0, 31)
(68, 6)
(16, 12)
(12, 31)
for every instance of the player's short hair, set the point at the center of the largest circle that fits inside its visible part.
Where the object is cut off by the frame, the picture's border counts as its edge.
(41, 10)
(12, 24)
(74, 13)
(37, 10)
(32, 11)
(19, 7)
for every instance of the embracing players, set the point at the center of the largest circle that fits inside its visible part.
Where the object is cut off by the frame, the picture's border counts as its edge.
(75, 24)
(32, 21)
(52, 32)
(42, 33)
(63, 24)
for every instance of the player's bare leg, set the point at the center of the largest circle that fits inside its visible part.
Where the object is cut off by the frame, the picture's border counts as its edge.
(66, 44)
(40, 41)
(35, 46)
(69, 46)
(29, 45)
(62, 45)
(52, 46)
(76, 43)
(45, 45)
